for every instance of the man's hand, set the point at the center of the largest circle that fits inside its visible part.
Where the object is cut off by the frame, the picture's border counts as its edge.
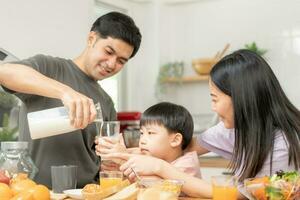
(82, 110)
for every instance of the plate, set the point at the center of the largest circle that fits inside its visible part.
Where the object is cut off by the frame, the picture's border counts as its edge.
(57, 196)
(244, 192)
(74, 193)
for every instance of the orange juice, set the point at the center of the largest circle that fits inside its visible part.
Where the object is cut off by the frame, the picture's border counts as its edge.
(109, 182)
(224, 193)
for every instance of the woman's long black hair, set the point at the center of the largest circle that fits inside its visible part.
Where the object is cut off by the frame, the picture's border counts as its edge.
(261, 109)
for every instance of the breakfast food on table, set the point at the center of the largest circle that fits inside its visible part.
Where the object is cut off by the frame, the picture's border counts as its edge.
(159, 189)
(280, 186)
(128, 193)
(20, 187)
(97, 192)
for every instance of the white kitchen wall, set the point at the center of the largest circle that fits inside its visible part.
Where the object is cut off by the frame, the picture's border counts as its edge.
(171, 32)
(60, 28)
(201, 28)
(55, 27)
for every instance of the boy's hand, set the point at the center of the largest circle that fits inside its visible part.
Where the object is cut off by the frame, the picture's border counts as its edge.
(106, 145)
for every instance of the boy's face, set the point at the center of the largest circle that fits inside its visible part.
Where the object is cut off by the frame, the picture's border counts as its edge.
(105, 57)
(156, 141)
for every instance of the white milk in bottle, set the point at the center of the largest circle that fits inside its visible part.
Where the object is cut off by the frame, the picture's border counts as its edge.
(53, 121)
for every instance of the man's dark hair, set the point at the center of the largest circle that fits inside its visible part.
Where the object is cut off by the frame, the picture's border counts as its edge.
(119, 26)
(175, 118)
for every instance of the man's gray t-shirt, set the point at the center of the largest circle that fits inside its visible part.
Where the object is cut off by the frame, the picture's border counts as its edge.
(74, 148)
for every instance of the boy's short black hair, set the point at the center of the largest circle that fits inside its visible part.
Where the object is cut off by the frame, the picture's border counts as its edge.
(175, 118)
(119, 26)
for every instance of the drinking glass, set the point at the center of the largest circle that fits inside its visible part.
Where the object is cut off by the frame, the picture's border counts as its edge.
(110, 178)
(224, 187)
(63, 177)
(110, 129)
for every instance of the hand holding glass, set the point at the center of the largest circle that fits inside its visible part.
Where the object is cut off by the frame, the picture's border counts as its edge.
(110, 129)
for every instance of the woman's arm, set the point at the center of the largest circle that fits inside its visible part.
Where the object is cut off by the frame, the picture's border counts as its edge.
(194, 146)
(193, 186)
(147, 165)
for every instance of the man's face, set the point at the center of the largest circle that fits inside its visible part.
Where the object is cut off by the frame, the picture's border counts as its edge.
(105, 57)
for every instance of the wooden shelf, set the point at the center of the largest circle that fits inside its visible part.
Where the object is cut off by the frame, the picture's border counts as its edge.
(187, 79)
(213, 162)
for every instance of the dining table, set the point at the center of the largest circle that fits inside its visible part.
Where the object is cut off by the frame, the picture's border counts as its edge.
(180, 198)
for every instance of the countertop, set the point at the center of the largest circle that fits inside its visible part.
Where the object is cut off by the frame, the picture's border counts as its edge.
(215, 161)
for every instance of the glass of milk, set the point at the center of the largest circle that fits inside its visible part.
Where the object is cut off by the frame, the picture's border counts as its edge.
(111, 130)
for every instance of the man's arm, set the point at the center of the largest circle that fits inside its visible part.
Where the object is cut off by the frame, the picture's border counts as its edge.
(24, 79)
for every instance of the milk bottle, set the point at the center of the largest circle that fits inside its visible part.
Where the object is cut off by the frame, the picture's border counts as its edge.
(53, 121)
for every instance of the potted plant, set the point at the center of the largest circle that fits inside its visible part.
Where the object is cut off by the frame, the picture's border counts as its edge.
(168, 70)
(7, 133)
(253, 47)
(7, 102)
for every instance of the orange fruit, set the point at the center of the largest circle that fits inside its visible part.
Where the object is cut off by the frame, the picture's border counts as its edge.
(5, 192)
(22, 185)
(40, 192)
(25, 195)
(19, 177)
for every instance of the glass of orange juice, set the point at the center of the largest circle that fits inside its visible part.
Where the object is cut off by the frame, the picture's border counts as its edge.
(224, 187)
(110, 178)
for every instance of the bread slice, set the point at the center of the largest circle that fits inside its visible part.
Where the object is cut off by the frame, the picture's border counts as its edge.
(102, 193)
(128, 193)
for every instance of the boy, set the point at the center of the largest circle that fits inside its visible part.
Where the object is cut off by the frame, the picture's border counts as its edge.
(166, 131)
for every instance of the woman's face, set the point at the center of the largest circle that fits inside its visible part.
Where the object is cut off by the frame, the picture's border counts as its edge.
(222, 105)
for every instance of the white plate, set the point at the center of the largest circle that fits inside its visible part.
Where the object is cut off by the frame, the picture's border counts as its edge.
(57, 196)
(74, 193)
(245, 193)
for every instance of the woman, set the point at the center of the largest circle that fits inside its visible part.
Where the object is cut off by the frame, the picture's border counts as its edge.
(259, 129)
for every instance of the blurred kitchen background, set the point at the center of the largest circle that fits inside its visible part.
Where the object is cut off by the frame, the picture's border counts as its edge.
(174, 31)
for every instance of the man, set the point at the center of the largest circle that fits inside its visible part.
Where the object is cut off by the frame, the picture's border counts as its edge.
(43, 82)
